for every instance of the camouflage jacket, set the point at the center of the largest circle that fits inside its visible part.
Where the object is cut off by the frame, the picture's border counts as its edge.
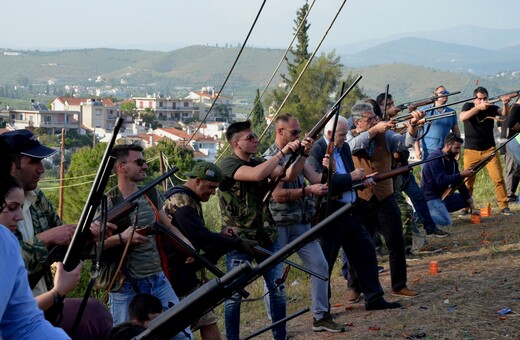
(241, 203)
(44, 217)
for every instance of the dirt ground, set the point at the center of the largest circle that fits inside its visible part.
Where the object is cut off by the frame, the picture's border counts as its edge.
(479, 276)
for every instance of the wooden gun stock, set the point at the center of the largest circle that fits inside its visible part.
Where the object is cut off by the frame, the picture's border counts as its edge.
(395, 172)
(312, 134)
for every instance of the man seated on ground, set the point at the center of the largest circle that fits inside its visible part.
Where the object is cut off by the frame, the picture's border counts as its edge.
(442, 174)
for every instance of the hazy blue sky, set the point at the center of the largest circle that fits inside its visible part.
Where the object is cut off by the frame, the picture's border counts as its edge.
(167, 24)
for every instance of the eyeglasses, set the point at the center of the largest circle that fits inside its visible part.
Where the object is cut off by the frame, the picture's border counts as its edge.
(369, 119)
(294, 132)
(250, 137)
(138, 162)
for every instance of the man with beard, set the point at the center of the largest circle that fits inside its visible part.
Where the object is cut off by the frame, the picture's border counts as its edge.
(438, 175)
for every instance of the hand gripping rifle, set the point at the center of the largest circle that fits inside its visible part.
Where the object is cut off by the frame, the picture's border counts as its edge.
(215, 291)
(407, 116)
(393, 173)
(476, 168)
(424, 101)
(115, 214)
(427, 119)
(312, 134)
(82, 235)
(326, 176)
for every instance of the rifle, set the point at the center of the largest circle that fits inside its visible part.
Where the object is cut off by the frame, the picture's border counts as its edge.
(393, 173)
(115, 214)
(215, 291)
(326, 176)
(385, 114)
(476, 168)
(510, 95)
(312, 134)
(82, 235)
(428, 119)
(179, 244)
(407, 116)
(424, 101)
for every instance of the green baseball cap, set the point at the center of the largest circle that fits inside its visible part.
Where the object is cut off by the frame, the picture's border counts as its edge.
(205, 170)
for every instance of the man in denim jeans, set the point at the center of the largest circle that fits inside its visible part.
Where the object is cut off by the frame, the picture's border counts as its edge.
(142, 271)
(242, 190)
(441, 174)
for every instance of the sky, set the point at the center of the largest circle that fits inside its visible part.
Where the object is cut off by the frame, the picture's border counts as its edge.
(169, 24)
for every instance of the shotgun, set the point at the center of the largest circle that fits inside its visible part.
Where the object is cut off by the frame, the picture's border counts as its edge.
(425, 101)
(393, 173)
(407, 116)
(476, 168)
(215, 291)
(312, 134)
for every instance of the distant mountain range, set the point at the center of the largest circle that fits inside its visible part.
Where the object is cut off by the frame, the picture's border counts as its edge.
(412, 65)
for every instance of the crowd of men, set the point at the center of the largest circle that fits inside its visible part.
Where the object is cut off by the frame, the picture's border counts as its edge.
(145, 274)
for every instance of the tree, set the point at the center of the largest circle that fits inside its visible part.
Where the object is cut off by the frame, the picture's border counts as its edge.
(301, 55)
(317, 89)
(150, 119)
(78, 180)
(129, 108)
(258, 123)
(176, 155)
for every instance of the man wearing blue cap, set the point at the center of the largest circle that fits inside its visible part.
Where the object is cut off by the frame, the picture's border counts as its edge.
(41, 227)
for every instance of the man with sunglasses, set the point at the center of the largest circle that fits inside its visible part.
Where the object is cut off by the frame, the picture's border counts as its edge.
(434, 134)
(243, 187)
(142, 269)
(292, 208)
(479, 121)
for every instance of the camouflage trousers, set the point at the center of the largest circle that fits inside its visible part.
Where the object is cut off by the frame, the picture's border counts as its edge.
(413, 239)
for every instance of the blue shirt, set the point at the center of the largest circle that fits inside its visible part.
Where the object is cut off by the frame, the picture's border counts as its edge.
(20, 317)
(438, 129)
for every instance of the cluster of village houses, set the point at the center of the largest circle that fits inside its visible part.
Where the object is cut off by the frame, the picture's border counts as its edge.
(179, 118)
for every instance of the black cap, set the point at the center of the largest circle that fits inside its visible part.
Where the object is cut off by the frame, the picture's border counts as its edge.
(24, 142)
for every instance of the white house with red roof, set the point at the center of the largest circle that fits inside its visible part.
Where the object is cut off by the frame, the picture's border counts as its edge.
(204, 147)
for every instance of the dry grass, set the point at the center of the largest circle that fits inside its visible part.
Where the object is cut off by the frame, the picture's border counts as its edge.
(479, 275)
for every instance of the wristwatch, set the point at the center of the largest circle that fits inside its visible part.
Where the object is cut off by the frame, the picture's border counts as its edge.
(57, 297)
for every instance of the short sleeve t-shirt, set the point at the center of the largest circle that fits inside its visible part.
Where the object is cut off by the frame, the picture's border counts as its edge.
(478, 130)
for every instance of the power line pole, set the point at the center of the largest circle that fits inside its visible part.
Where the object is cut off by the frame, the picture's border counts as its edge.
(62, 173)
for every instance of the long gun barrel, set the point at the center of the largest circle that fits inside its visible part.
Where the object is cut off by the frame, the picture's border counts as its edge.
(510, 95)
(312, 134)
(213, 293)
(407, 116)
(476, 168)
(393, 173)
(427, 119)
(82, 235)
(113, 215)
(424, 101)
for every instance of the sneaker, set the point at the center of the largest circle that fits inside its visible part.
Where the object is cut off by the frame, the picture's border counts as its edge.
(353, 296)
(438, 233)
(506, 211)
(380, 304)
(326, 324)
(427, 249)
(406, 293)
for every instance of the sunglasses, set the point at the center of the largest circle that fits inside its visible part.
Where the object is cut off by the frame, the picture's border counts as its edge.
(250, 137)
(294, 132)
(138, 162)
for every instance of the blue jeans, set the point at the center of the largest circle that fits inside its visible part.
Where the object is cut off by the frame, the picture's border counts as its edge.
(156, 285)
(313, 260)
(276, 295)
(440, 211)
(412, 189)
